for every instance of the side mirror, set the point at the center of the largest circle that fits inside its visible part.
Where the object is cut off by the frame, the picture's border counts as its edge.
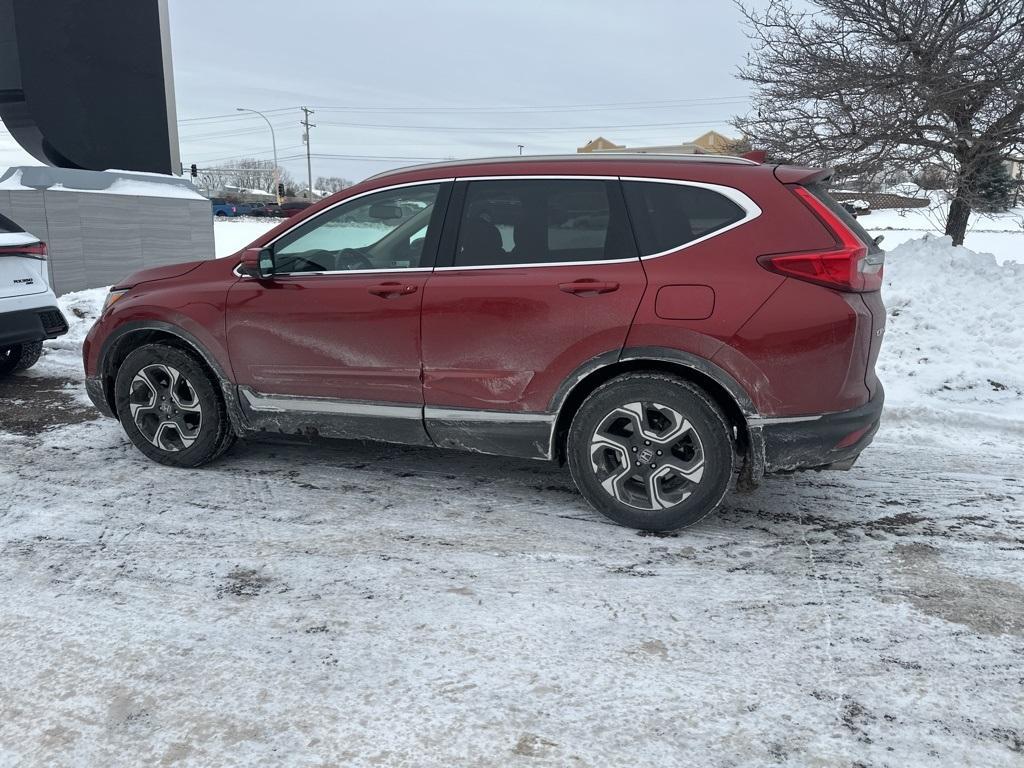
(257, 262)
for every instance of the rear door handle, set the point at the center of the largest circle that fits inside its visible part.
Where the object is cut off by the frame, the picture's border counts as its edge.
(589, 287)
(391, 290)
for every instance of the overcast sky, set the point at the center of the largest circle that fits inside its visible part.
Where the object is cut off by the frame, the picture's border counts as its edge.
(461, 78)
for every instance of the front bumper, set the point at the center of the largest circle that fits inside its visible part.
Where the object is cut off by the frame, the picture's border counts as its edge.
(27, 325)
(97, 393)
(829, 441)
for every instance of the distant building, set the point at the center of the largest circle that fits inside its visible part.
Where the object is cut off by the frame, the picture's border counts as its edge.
(600, 144)
(715, 143)
(710, 143)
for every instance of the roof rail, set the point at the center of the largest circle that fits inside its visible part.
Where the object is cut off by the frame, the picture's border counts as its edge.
(583, 157)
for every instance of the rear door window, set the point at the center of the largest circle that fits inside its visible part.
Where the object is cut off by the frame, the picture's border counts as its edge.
(542, 221)
(666, 216)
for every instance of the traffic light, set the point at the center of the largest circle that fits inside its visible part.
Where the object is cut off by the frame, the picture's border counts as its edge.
(195, 171)
(280, 190)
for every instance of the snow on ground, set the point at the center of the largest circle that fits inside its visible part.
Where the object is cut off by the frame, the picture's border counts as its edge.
(379, 605)
(999, 234)
(954, 342)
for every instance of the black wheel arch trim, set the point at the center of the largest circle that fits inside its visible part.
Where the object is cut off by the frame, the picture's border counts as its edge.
(753, 467)
(227, 386)
(111, 342)
(657, 355)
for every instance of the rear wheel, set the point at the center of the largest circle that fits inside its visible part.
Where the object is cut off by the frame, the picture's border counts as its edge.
(170, 407)
(650, 451)
(18, 357)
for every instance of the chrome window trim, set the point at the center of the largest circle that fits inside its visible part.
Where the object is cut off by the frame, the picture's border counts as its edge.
(390, 270)
(750, 208)
(535, 265)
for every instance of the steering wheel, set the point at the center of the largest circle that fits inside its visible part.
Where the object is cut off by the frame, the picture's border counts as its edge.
(356, 259)
(302, 264)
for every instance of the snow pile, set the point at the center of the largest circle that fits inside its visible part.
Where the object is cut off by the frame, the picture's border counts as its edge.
(62, 357)
(954, 343)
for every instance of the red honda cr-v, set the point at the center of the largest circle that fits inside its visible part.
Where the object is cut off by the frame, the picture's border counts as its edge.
(659, 323)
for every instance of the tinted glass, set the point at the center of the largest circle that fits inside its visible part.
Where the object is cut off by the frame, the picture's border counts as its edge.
(845, 216)
(386, 230)
(7, 226)
(542, 221)
(666, 216)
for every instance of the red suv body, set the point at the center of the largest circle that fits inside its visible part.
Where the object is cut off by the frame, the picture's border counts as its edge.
(487, 305)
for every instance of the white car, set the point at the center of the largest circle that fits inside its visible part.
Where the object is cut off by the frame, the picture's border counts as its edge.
(28, 307)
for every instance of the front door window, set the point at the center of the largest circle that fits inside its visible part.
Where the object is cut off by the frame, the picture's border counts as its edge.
(382, 231)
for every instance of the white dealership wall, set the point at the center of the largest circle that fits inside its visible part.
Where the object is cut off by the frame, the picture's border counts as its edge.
(100, 226)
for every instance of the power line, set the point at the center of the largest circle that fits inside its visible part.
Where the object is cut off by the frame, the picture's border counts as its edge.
(230, 116)
(512, 109)
(519, 129)
(255, 155)
(493, 109)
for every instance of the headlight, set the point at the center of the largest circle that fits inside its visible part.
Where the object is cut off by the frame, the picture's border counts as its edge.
(112, 297)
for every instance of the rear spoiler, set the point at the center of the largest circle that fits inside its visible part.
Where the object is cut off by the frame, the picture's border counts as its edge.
(795, 174)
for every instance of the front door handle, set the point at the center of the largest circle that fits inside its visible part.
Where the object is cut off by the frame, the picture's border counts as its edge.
(589, 287)
(391, 290)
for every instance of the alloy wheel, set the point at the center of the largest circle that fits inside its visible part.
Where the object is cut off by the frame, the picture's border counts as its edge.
(165, 407)
(647, 455)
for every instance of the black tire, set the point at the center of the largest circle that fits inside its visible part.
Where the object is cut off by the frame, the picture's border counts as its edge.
(18, 357)
(695, 473)
(30, 354)
(193, 429)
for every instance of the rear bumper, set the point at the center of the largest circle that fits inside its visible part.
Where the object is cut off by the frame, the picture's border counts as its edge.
(25, 325)
(829, 441)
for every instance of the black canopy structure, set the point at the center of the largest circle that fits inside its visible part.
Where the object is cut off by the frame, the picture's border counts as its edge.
(88, 84)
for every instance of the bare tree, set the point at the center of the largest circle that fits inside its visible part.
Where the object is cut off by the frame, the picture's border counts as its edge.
(328, 185)
(246, 173)
(869, 85)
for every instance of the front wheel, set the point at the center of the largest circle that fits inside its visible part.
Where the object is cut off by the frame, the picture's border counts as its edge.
(650, 451)
(170, 407)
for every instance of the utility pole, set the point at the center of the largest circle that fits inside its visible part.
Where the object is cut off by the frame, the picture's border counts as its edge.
(520, 148)
(306, 112)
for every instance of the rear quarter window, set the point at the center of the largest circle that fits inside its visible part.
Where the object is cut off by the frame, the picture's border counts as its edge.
(7, 226)
(666, 216)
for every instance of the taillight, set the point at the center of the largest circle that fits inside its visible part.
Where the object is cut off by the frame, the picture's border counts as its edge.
(33, 250)
(847, 267)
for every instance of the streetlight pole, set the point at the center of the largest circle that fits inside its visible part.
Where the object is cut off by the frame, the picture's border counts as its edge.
(273, 141)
